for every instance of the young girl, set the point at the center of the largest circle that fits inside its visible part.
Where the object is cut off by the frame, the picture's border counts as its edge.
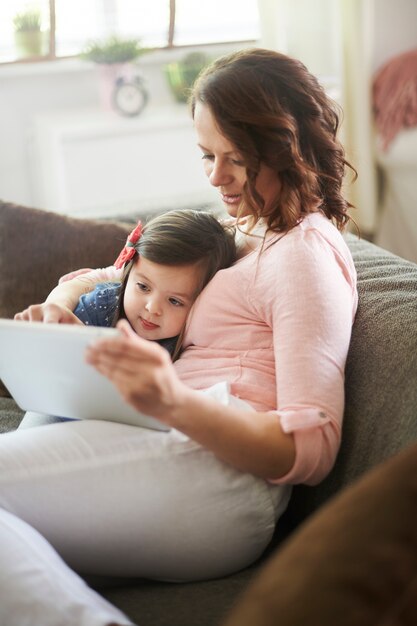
(203, 500)
(166, 265)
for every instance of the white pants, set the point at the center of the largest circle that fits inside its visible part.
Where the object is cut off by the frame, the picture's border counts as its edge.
(118, 500)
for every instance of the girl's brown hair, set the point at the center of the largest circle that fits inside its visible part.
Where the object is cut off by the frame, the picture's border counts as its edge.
(180, 238)
(275, 112)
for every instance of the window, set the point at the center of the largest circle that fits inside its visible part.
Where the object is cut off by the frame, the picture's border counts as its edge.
(49, 29)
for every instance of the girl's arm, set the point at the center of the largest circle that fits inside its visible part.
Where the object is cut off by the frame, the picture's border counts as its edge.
(144, 375)
(63, 299)
(74, 274)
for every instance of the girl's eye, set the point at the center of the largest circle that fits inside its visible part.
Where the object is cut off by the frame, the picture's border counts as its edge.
(238, 162)
(175, 302)
(208, 157)
(142, 287)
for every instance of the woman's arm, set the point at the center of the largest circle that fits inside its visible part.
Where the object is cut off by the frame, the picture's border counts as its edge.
(312, 319)
(144, 375)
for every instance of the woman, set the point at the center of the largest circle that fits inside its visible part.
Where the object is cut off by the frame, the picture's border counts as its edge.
(274, 328)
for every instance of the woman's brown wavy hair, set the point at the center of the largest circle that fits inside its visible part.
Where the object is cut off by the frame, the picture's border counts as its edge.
(275, 112)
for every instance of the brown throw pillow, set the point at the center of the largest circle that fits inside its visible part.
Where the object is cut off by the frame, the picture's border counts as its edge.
(37, 247)
(353, 563)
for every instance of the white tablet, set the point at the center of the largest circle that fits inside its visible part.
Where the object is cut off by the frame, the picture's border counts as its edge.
(43, 367)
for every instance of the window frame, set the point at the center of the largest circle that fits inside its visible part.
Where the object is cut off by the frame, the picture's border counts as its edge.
(170, 43)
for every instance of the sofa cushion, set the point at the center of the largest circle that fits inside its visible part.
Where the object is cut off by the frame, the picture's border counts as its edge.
(37, 247)
(354, 562)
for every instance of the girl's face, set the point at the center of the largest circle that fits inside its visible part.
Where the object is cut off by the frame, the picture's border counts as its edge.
(158, 298)
(224, 165)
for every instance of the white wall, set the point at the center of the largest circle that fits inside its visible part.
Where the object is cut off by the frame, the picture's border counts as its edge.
(395, 29)
(27, 90)
(23, 94)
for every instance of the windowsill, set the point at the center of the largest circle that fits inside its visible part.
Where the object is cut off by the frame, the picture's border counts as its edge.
(74, 64)
(34, 68)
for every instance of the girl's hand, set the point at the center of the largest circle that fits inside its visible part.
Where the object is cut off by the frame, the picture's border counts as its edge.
(48, 313)
(141, 370)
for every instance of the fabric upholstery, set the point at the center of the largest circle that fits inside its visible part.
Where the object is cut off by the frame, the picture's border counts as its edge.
(10, 414)
(354, 562)
(37, 247)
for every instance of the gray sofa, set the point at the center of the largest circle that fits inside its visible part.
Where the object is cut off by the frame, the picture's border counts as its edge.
(380, 417)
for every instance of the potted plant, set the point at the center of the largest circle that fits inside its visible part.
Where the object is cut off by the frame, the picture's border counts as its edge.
(114, 57)
(112, 51)
(27, 32)
(182, 74)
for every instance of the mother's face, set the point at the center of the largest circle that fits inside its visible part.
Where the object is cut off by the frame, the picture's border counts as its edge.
(224, 165)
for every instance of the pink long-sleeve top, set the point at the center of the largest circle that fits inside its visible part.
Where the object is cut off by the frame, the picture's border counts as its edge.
(276, 326)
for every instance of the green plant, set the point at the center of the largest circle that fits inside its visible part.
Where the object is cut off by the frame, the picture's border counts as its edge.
(182, 74)
(112, 50)
(195, 60)
(27, 21)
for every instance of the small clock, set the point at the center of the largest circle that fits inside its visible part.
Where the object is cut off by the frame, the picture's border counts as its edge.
(129, 96)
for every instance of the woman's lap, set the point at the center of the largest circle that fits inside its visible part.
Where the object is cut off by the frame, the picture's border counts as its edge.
(124, 501)
(37, 587)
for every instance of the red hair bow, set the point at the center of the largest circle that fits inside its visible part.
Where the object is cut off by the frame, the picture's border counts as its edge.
(129, 250)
